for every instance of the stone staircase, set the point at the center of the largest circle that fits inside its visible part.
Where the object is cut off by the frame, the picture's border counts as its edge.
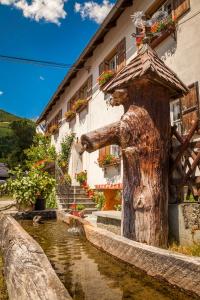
(75, 194)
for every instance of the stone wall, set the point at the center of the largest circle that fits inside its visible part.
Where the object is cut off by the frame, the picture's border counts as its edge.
(177, 269)
(184, 223)
(28, 273)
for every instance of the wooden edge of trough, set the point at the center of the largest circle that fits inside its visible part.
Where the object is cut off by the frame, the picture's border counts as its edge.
(28, 272)
(176, 269)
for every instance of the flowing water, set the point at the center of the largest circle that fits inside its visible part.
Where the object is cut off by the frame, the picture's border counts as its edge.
(90, 274)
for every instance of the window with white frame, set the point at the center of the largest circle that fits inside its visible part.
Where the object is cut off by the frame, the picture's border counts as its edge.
(115, 150)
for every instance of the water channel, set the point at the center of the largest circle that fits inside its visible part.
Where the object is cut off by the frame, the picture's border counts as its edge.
(90, 274)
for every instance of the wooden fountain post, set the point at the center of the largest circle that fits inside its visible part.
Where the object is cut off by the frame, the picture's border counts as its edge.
(143, 134)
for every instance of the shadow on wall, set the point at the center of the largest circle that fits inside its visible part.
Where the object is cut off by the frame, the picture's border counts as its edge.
(167, 48)
(112, 174)
(173, 216)
(82, 116)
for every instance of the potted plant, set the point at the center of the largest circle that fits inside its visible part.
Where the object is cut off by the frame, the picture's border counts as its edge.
(99, 199)
(80, 104)
(30, 190)
(77, 210)
(90, 193)
(105, 77)
(82, 178)
(69, 115)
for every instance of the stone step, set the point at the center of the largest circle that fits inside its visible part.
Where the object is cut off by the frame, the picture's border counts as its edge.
(82, 195)
(83, 192)
(72, 194)
(86, 204)
(71, 199)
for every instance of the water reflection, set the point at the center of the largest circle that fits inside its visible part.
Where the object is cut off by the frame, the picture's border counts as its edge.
(90, 274)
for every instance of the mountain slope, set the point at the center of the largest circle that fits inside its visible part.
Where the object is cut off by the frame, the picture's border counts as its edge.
(7, 117)
(6, 133)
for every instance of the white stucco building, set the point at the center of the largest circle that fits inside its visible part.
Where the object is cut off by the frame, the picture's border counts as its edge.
(110, 49)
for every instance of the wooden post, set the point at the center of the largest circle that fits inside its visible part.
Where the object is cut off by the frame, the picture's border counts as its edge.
(143, 134)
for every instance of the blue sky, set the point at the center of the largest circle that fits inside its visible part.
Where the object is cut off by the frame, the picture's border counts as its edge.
(25, 88)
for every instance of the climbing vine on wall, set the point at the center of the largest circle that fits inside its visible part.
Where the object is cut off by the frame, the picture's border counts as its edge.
(66, 145)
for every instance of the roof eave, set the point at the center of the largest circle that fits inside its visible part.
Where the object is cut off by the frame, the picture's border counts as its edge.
(108, 23)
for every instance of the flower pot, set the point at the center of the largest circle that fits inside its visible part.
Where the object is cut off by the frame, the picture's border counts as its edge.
(75, 213)
(40, 204)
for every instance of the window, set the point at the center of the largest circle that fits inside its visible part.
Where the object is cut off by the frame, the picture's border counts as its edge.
(175, 109)
(109, 152)
(175, 9)
(57, 120)
(116, 60)
(167, 6)
(115, 150)
(186, 109)
(180, 7)
(85, 92)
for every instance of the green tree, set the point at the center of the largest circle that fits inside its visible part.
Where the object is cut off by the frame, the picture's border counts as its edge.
(23, 132)
(41, 149)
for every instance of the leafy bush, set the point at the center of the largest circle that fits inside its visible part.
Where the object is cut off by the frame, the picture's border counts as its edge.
(66, 145)
(99, 199)
(51, 199)
(40, 150)
(27, 187)
(118, 207)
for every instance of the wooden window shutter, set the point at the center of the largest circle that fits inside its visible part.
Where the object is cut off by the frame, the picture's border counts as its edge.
(180, 7)
(190, 107)
(101, 68)
(89, 87)
(103, 152)
(121, 54)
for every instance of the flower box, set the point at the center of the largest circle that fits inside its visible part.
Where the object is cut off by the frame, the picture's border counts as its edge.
(80, 104)
(158, 39)
(69, 115)
(105, 77)
(159, 31)
(53, 129)
(109, 160)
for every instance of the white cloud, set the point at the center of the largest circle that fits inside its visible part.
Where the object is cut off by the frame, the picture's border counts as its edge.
(1, 93)
(93, 10)
(48, 10)
(41, 78)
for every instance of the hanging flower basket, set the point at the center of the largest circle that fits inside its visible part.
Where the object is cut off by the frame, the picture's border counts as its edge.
(105, 77)
(69, 115)
(80, 104)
